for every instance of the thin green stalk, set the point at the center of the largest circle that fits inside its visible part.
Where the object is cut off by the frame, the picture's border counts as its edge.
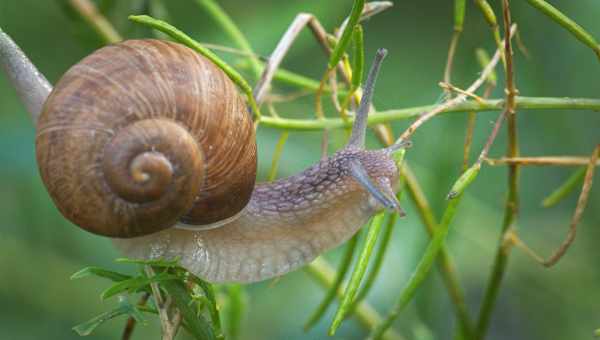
(229, 26)
(358, 273)
(459, 19)
(567, 23)
(512, 201)
(429, 257)
(566, 188)
(336, 286)
(445, 262)
(386, 237)
(521, 103)
(365, 314)
(183, 38)
(340, 47)
(483, 58)
(277, 155)
(294, 79)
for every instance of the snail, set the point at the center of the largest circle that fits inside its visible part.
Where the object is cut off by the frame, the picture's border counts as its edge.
(149, 143)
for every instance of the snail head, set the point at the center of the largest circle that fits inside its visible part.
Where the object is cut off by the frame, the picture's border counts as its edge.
(377, 171)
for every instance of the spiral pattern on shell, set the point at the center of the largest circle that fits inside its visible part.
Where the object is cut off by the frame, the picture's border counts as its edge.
(143, 134)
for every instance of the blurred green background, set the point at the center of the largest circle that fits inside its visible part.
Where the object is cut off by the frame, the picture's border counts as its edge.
(39, 250)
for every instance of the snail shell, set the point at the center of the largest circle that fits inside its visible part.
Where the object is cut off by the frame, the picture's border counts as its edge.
(143, 134)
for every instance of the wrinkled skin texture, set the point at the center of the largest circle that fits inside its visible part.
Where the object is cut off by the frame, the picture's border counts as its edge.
(286, 224)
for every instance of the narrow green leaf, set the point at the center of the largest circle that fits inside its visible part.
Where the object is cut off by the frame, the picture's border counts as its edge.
(124, 308)
(135, 284)
(378, 261)
(183, 38)
(358, 273)
(359, 57)
(565, 189)
(209, 293)
(424, 266)
(89, 326)
(337, 284)
(101, 272)
(567, 23)
(198, 326)
(340, 48)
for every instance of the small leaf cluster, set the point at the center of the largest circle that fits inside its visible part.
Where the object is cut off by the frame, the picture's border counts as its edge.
(194, 298)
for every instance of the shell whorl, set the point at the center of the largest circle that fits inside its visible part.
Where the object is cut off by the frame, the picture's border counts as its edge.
(142, 134)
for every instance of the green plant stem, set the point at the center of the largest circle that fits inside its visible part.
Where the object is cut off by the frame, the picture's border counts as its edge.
(521, 103)
(386, 237)
(183, 38)
(344, 40)
(566, 188)
(445, 262)
(294, 79)
(490, 17)
(277, 155)
(229, 26)
(567, 23)
(512, 201)
(365, 314)
(358, 273)
(428, 258)
(459, 19)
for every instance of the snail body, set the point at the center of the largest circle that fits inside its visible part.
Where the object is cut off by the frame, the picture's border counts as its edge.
(149, 143)
(287, 223)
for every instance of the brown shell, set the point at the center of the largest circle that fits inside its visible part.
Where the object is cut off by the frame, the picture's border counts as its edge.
(142, 134)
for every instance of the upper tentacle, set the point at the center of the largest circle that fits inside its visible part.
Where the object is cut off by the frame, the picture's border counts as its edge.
(359, 129)
(31, 86)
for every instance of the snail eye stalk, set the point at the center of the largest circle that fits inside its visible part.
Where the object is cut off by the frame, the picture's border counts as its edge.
(359, 129)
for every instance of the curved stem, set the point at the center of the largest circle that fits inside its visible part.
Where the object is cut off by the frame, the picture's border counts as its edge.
(521, 103)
